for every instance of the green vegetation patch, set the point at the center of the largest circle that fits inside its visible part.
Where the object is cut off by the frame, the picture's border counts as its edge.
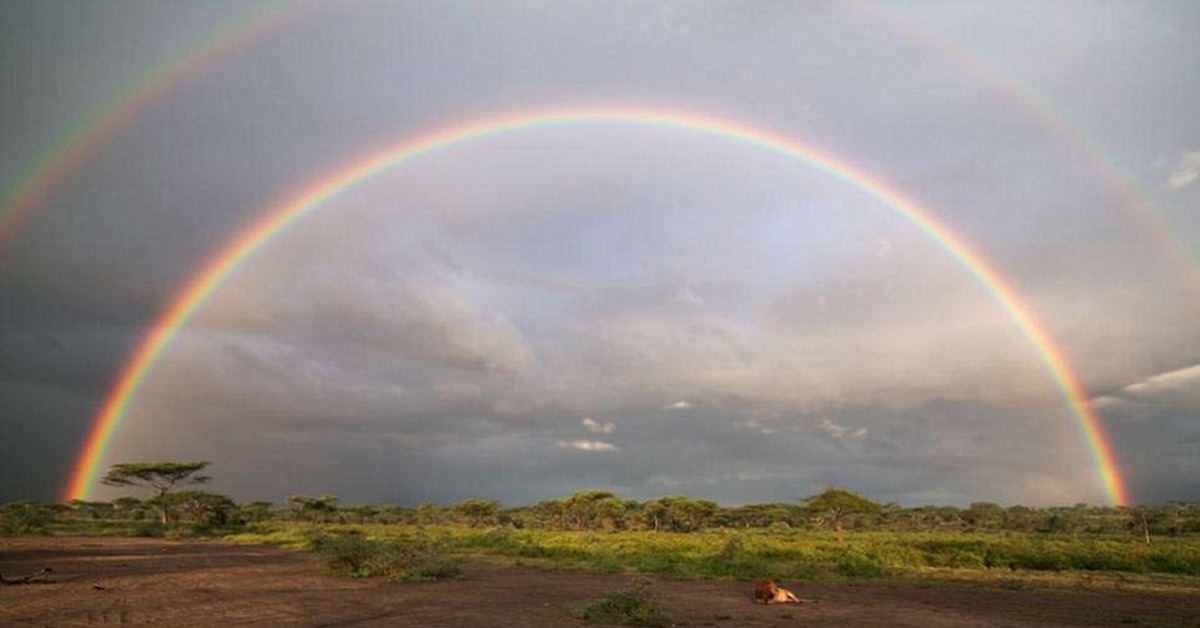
(415, 558)
(633, 606)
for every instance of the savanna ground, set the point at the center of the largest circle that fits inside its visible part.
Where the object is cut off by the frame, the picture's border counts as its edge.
(106, 580)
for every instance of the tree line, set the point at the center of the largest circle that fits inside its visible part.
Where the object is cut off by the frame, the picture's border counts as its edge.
(835, 509)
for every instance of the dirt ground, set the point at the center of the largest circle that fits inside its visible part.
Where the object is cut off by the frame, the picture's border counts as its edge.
(172, 583)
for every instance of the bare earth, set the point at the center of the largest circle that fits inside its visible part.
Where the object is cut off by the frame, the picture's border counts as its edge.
(170, 583)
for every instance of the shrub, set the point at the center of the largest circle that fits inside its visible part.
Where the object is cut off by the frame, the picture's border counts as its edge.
(410, 559)
(635, 606)
(24, 518)
(856, 564)
(735, 561)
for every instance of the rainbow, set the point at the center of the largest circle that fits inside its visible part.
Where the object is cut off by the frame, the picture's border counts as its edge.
(55, 164)
(1139, 209)
(220, 267)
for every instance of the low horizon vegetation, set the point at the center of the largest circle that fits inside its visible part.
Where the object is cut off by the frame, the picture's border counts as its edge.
(837, 533)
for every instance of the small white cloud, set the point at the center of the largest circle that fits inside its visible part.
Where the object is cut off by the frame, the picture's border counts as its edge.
(1187, 169)
(1180, 388)
(758, 426)
(680, 405)
(588, 445)
(840, 432)
(689, 296)
(596, 427)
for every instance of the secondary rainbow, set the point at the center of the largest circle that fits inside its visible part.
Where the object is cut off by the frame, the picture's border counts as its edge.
(54, 165)
(225, 263)
(1136, 203)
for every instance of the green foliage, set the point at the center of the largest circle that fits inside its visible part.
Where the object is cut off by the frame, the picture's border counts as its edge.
(321, 509)
(634, 606)
(159, 476)
(24, 517)
(479, 512)
(351, 553)
(290, 536)
(671, 537)
(836, 505)
(855, 562)
(735, 561)
(204, 508)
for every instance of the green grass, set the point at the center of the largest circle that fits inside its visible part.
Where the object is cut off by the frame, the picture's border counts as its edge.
(634, 606)
(795, 555)
(414, 558)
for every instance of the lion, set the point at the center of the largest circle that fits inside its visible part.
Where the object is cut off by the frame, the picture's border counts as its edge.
(767, 592)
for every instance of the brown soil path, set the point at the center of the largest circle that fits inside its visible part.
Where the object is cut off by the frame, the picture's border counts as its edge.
(101, 581)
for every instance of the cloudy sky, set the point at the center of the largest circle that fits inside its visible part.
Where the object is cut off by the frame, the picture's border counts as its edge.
(630, 307)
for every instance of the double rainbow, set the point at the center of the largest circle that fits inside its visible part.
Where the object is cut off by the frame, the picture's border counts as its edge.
(226, 262)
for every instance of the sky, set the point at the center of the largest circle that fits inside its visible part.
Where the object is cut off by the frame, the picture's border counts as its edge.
(615, 305)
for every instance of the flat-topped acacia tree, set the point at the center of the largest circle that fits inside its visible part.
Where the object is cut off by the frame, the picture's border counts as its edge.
(835, 505)
(160, 476)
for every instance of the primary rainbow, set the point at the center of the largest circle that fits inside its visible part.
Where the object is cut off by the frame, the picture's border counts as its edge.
(226, 262)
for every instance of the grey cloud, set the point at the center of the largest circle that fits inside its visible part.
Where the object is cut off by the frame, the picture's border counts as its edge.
(620, 306)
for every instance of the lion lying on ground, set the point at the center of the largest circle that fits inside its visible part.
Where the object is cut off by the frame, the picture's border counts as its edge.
(767, 592)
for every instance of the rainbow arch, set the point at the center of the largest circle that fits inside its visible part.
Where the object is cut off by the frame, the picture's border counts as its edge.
(221, 266)
(1085, 149)
(29, 192)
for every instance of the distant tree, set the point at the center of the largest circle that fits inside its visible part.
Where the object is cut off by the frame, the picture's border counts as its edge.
(479, 512)
(315, 509)
(362, 513)
(689, 515)
(397, 515)
(159, 476)
(985, 516)
(24, 517)
(91, 510)
(551, 513)
(655, 514)
(1067, 520)
(678, 513)
(203, 507)
(255, 511)
(131, 508)
(1020, 519)
(587, 508)
(433, 514)
(835, 505)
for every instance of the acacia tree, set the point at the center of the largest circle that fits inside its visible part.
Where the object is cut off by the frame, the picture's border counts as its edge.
(205, 508)
(160, 476)
(314, 508)
(835, 505)
(479, 512)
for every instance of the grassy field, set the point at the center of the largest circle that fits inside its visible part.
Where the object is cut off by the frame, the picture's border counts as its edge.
(746, 555)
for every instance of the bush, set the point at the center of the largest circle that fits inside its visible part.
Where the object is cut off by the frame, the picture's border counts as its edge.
(854, 563)
(735, 561)
(24, 518)
(409, 559)
(635, 606)
(148, 529)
